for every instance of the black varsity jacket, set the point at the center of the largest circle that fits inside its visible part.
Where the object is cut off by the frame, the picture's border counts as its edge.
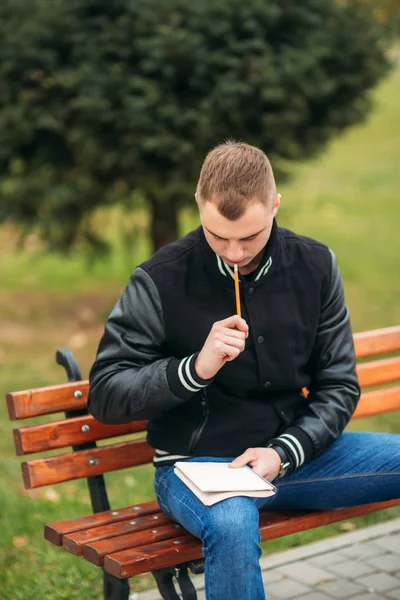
(299, 337)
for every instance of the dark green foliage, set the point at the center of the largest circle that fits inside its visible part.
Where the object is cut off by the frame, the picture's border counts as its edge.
(101, 98)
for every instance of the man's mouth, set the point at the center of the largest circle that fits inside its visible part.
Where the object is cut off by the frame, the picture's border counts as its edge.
(239, 264)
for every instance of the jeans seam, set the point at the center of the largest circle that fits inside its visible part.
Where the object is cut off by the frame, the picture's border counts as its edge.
(188, 508)
(338, 477)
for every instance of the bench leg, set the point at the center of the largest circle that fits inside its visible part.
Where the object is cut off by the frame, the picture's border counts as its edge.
(166, 587)
(114, 588)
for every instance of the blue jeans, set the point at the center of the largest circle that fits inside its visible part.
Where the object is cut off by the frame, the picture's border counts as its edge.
(358, 468)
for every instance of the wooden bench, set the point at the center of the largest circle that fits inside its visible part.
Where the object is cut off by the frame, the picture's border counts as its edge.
(139, 538)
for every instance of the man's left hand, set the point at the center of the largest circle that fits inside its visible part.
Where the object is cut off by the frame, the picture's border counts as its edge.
(265, 461)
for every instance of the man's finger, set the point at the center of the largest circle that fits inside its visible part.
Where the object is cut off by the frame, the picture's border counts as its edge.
(235, 321)
(243, 459)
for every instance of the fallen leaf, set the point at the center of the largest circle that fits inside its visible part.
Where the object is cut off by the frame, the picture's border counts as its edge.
(52, 495)
(348, 526)
(129, 481)
(78, 340)
(86, 314)
(19, 541)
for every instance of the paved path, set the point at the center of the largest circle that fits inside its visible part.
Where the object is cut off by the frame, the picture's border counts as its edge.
(361, 565)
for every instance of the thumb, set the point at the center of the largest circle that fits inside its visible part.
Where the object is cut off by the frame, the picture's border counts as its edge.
(243, 459)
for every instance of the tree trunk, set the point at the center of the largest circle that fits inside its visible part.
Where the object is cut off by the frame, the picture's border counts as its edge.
(163, 222)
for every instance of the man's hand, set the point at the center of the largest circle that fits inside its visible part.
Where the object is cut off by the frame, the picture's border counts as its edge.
(225, 342)
(265, 461)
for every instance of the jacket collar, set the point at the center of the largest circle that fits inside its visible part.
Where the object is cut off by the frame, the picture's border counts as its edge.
(263, 268)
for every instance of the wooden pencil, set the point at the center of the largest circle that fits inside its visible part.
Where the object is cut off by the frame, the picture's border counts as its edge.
(237, 294)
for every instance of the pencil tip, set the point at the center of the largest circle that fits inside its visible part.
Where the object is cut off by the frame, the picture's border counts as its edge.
(235, 267)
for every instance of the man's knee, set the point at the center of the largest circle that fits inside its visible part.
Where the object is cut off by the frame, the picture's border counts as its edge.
(232, 521)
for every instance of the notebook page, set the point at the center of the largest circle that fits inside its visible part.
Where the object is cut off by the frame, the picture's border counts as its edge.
(219, 477)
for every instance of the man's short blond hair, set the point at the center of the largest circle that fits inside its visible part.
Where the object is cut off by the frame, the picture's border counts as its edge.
(234, 173)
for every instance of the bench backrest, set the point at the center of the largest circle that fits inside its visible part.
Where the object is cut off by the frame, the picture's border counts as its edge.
(378, 366)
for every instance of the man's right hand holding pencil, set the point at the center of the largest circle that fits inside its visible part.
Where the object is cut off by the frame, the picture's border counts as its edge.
(224, 343)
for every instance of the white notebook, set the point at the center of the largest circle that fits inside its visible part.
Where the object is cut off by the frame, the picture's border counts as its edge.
(213, 482)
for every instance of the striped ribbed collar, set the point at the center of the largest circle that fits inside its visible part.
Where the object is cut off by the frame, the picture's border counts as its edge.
(265, 263)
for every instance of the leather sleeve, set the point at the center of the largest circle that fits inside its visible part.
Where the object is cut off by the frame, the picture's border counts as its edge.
(131, 378)
(334, 391)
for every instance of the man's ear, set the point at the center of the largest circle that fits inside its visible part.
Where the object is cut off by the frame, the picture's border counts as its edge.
(277, 204)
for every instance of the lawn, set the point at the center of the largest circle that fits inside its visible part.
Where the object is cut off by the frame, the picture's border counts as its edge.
(347, 198)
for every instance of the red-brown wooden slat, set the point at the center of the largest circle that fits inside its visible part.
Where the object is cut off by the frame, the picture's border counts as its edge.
(73, 542)
(153, 556)
(53, 532)
(47, 400)
(296, 522)
(272, 525)
(68, 432)
(377, 341)
(378, 402)
(379, 371)
(96, 552)
(85, 463)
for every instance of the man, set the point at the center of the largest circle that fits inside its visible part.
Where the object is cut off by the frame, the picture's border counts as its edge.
(219, 387)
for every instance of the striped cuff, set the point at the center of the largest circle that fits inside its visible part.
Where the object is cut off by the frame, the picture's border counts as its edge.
(297, 445)
(183, 379)
(162, 458)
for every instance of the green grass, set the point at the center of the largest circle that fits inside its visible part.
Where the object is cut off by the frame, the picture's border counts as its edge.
(346, 198)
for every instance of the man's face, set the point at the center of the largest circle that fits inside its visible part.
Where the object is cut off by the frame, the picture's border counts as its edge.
(242, 241)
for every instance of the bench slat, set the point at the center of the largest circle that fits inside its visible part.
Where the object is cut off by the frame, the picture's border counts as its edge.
(48, 400)
(74, 465)
(310, 519)
(377, 341)
(54, 532)
(95, 552)
(153, 556)
(73, 542)
(378, 372)
(377, 402)
(68, 432)
(157, 555)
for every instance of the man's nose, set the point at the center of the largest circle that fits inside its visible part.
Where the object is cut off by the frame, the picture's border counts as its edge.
(235, 253)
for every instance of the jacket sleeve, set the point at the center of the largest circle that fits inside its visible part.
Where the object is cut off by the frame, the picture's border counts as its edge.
(334, 389)
(132, 378)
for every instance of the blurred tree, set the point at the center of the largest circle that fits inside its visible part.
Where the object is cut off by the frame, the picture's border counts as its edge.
(386, 10)
(100, 99)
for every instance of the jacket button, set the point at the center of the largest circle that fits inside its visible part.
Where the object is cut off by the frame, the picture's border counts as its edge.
(260, 339)
(267, 384)
(251, 290)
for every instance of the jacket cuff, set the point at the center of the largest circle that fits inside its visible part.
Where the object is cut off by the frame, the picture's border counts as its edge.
(183, 379)
(297, 445)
